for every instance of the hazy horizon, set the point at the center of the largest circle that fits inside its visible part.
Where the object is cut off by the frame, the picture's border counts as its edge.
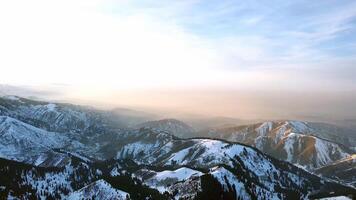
(193, 105)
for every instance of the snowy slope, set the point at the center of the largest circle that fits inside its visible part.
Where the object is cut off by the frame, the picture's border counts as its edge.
(162, 180)
(250, 165)
(87, 129)
(179, 174)
(31, 182)
(22, 142)
(56, 117)
(77, 180)
(98, 190)
(294, 141)
(229, 180)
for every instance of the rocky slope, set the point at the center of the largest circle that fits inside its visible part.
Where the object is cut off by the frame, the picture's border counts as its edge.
(343, 170)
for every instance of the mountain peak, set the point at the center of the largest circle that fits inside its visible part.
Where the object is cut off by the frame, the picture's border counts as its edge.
(98, 190)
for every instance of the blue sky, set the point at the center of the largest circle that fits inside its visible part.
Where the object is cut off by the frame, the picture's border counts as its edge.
(315, 36)
(282, 37)
(97, 48)
(324, 27)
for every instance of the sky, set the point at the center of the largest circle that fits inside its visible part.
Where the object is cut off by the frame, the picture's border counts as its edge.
(235, 58)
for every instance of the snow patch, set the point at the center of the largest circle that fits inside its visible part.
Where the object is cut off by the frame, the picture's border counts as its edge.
(179, 174)
(98, 190)
(51, 106)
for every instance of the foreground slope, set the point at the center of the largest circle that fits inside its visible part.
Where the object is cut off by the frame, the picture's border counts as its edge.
(75, 180)
(81, 179)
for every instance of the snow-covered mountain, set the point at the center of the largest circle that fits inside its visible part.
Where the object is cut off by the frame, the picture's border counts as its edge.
(83, 129)
(248, 165)
(62, 118)
(302, 143)
(64, 151)
(173, 126)
(25, 143)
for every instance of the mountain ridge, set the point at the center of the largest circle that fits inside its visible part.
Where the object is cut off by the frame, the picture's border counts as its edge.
(173, 126)
(288, 140)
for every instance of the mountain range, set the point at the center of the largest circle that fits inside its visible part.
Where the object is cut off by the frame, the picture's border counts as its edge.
(63, 151)
(310, 145)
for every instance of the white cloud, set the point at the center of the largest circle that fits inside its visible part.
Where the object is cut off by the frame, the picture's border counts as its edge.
(71, 42)
(82, 42)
